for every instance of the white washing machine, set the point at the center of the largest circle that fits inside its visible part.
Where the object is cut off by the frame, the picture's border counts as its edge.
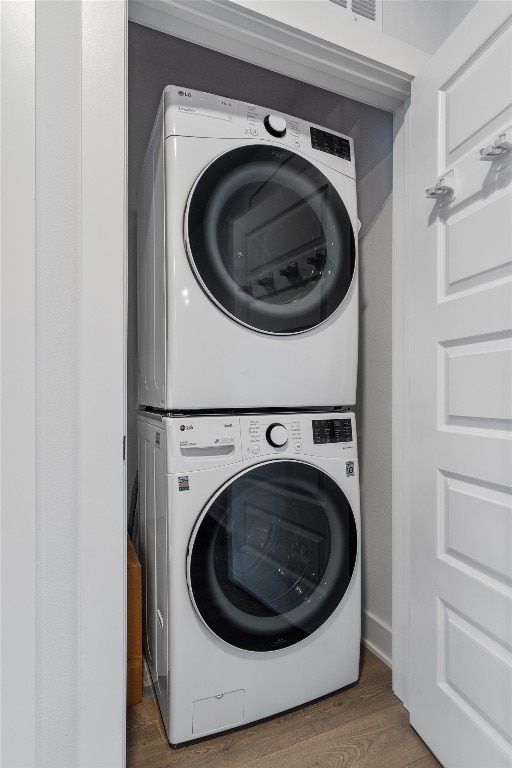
(250, 549)
(247, 259)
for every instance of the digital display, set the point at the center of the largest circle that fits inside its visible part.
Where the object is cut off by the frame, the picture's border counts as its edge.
(330, 143)
(332, 431)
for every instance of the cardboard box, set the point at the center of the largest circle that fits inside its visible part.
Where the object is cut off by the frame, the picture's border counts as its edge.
(134, 627)
(133, 681)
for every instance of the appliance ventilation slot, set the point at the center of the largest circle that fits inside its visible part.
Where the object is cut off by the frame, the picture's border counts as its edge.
(366, 8)
(362, 10)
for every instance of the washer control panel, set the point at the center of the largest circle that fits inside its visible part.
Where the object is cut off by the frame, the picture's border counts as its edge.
(332, 431)
(299, 434)
(269, 434)
(201, 442)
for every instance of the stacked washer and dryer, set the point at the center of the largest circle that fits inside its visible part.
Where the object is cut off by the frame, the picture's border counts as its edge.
(248, 470)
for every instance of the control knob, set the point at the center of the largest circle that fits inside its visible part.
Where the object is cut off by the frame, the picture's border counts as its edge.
(275, 125)
(277, 435)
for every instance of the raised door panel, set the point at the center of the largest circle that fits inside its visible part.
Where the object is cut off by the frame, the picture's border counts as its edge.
(461, 398)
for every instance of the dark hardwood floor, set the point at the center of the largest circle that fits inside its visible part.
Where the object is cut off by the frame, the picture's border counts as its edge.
(360, 727)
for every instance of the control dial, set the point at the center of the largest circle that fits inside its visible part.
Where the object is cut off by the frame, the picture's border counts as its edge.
(277, 435)
(275, 125)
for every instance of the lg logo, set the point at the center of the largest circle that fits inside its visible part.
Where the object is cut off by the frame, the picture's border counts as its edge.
(185, 93)
(183, 427)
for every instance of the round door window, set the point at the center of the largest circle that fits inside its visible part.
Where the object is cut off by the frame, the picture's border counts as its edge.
(270, 239)
(272, 556)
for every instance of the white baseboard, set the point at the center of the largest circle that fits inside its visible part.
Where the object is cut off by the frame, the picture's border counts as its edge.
(376, 636)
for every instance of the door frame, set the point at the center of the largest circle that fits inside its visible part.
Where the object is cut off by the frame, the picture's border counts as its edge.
(98, 618)
(102, 503)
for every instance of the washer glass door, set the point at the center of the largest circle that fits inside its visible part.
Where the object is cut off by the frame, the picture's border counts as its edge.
(272, 555)
(270, 239)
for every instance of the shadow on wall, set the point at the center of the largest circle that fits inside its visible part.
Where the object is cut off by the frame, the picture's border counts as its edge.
(373, 410)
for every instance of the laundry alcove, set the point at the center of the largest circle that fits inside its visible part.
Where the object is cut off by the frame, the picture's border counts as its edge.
(157, 59)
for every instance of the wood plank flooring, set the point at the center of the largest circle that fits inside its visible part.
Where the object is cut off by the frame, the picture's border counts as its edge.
(364, 726)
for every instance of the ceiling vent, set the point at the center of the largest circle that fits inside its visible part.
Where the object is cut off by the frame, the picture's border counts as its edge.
(362, 10)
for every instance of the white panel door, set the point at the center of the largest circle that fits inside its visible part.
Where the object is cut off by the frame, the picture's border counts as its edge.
(461, 396)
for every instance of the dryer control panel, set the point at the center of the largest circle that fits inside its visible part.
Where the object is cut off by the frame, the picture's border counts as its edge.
(199, 114)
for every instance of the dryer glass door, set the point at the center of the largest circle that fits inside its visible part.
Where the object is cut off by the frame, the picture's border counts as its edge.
(272, 555)
(270, 239)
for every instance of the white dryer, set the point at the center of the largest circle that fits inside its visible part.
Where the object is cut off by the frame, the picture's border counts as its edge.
(247, 259)
(250, 547)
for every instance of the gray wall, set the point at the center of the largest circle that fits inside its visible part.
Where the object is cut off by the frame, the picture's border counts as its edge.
(373, 413)
(156, 60)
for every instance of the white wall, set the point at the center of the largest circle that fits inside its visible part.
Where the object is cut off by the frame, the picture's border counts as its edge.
(458, 9)
(327, 21)
(410, 28)
(58, 268)
(64, 691)
(17, 385)
(156, 60)
(424, 24)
